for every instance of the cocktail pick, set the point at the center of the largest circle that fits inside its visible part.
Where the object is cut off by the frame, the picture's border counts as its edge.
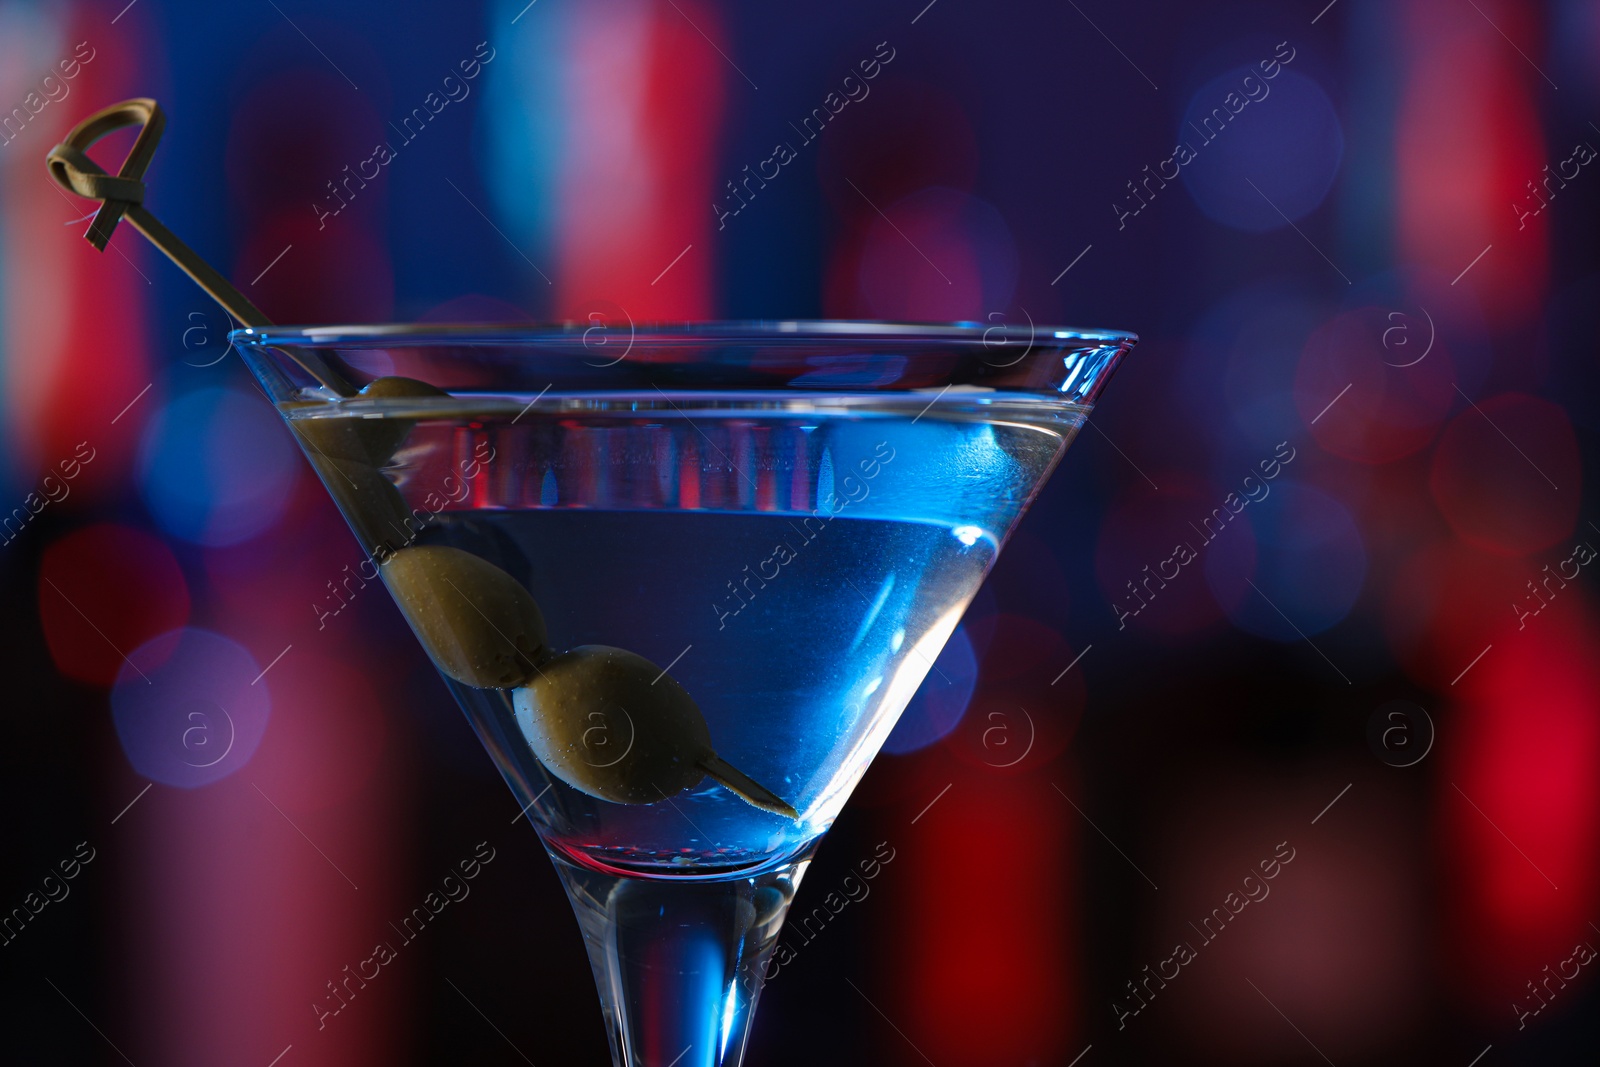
(121, 195)
(455, 641)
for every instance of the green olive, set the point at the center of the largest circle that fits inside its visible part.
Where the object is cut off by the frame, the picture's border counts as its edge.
(370, 502)
(477, 624)
(371, 441)
(349, 452)
(383, 437)
(613, 725)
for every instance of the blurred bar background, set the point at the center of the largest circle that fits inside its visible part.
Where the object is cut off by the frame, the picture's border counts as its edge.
(1358, 240)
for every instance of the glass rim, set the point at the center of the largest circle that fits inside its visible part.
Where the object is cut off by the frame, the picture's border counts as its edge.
(1059, 365)
(666, 334)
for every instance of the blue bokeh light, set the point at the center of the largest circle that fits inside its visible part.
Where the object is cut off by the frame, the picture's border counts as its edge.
(1302, 571)
(942, 699)
(216, 467)
(1286, 142)
(188, 708)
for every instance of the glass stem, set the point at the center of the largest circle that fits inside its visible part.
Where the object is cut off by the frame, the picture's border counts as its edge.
(679, 964)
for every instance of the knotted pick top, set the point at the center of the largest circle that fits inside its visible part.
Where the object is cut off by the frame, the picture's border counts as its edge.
(121, 195)
(72, 168)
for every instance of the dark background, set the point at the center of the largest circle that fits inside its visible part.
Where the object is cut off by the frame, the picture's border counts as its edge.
(1365, 269)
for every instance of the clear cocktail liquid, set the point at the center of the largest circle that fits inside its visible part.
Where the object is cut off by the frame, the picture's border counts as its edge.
(796, 564)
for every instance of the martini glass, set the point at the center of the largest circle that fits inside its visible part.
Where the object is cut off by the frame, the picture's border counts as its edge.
(789, 517)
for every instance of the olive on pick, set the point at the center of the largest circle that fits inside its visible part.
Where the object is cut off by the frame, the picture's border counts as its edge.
(373, 441)
(476, 622)
(369, 500)
(383, 437)
(349, 452)
(613, 725)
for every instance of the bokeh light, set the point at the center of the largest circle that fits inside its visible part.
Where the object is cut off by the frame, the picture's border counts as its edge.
(913, 136)
(1445, 603)
(1519, 805)
(945, 255)
(1021, 716)
(942, 699)
(1335, 939)
(1507, 474)
(217, 466)
(997, 985)
(1280, 135)
(1425, 316)
(1302, 571)
(190, 707)
(1355, 398)
(1250, 334)
(329, 732)
(105, 589)
(1258, 381)
(1458, 180)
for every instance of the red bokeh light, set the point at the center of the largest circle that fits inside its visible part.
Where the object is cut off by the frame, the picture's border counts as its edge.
(344, 274)
(910, 137)
(1445, 603)
(1519, 805)
(1465, 149)
(937, 255)
(105, 590)
(1354, 399)
(328, 734)
(984, 967)
(74, 331)
(644, 121)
